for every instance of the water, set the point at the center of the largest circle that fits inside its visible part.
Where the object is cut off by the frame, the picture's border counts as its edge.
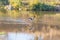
(17, 36)
(20, 36)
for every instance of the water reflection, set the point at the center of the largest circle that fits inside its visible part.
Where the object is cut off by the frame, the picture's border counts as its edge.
(20, 36)
(17, 36)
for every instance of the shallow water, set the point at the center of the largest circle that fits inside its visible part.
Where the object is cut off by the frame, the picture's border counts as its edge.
(17, 36)
(20, 36)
